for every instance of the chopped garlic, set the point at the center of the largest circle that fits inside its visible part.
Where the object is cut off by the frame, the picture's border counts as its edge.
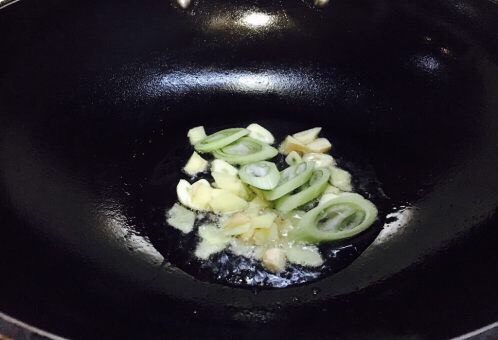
(212, 241)
(341, 179)
(181, 218)
(291, 144)
(260, 133)
(320, 145)
(195, 164)
(205, 249)
(304, 255)
(200, 194)
(223, 201)
(274, 260)
(321, 160)
(307, 136)
(219, 165)
(195, 135)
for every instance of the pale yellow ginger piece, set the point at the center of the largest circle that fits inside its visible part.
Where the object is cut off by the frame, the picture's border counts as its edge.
(307, 136)
(231, 183)
(291, 144)
(274, 260)
(341, 179)
(247, 236)
(195, 164)
(237, 219)
(259, 203)
(219, 165)
(266, 235)
(237, 230)
(304, 255)
(195, 135)
(225, 202)
(263, 221)
(202, 190)
(321, 160)
(320, 145)
(258, 132)
(284, 225)
(181, 218)
(212, 241)
(237, 224)
(258, 192)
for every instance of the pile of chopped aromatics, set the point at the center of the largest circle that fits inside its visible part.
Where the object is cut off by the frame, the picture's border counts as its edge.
(259, 211)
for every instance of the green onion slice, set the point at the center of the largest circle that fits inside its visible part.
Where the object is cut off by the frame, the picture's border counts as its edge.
(245, 150)
(220, 139)
(263, 175)
(342, 217)
(314, 188)
(293, 158)
(291, 178)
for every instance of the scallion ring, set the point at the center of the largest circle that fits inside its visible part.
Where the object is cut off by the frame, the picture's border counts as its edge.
(245, 150)
(342, 217)
(220, 139)
(291, 178)
(314, 188)
(262, 175)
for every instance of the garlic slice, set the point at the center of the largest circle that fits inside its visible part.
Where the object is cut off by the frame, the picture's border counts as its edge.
(307, 136)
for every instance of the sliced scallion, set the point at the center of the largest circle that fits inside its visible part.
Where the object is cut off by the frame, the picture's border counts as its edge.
(245, 150)
(291, 178)
(342, 217)
(293, 158)
(314, 188)
(263, 175)
(220, 139)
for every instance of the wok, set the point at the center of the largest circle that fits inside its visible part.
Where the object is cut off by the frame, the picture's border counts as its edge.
(96, 98)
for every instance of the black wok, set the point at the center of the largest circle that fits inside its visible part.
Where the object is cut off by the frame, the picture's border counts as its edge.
(96, 98)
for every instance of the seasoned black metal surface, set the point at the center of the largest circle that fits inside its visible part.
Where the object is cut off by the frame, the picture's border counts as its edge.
(95, 95)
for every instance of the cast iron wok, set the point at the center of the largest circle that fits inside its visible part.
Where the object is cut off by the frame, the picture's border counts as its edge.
(94, 95)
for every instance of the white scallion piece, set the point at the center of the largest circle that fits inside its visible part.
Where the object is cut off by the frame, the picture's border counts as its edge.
(219, 165)
(260, 133)
(195, 135)
(293, 158)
